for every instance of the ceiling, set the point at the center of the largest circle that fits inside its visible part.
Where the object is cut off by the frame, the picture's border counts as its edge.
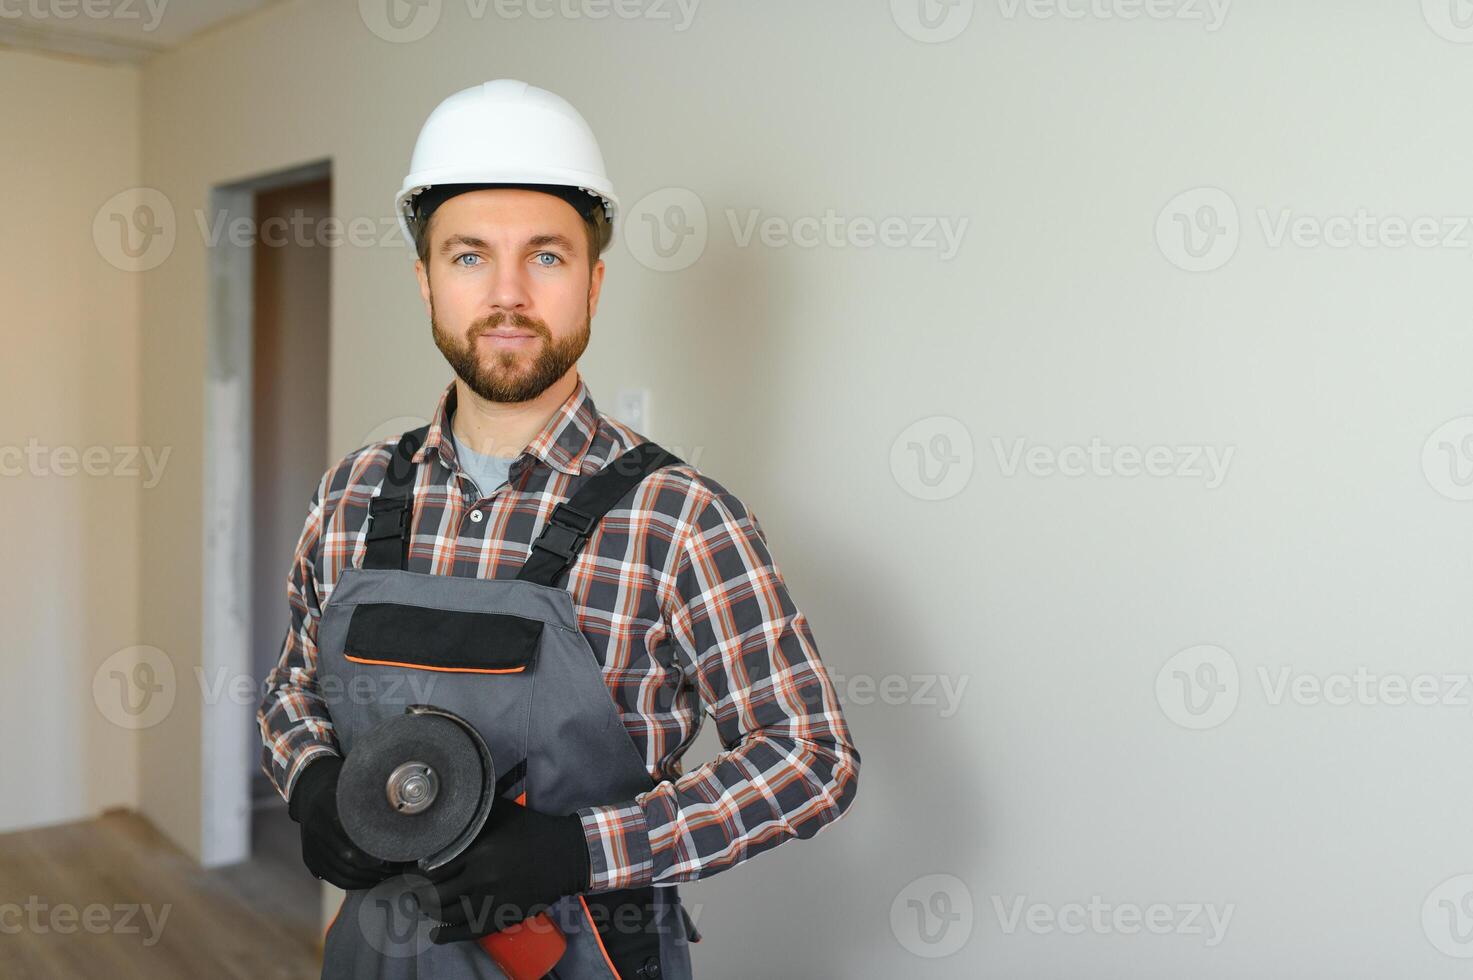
(113, 30)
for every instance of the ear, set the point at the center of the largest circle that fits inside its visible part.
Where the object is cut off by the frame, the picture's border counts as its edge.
(595, 286)
(423, 275)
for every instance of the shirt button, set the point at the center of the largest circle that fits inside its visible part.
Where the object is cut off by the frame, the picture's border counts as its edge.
(476, 517)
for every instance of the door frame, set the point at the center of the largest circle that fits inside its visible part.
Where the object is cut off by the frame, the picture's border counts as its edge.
(227, 725)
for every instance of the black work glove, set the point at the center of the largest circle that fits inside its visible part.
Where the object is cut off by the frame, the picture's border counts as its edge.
(521, 861)
(327, 850)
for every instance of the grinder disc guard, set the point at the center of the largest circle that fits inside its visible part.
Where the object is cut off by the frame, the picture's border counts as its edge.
(416, 788)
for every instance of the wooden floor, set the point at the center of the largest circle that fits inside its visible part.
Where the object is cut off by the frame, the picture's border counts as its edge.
(112, 899)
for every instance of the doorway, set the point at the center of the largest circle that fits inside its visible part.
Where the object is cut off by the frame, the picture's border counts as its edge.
(266, 405)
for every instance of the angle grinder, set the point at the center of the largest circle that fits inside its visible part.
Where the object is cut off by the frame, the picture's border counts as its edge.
(419, 788)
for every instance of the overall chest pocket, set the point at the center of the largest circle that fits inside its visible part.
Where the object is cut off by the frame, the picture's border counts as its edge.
(394, 634)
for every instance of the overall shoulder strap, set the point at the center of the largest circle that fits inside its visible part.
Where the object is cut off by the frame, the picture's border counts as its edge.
(391, 513)
(571, 522)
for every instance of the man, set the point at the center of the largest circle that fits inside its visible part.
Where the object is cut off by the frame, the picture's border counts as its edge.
(671, 602)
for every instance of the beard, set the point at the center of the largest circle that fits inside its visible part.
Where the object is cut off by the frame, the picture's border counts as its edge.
(509, 376)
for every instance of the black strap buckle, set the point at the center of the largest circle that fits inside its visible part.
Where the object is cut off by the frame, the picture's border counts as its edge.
(388, 517)
(566, 530)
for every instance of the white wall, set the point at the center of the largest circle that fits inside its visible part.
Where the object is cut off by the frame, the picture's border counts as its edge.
(69, 382)
(797, 373)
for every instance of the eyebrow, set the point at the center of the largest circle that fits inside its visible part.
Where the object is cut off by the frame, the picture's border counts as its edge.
(536, 241)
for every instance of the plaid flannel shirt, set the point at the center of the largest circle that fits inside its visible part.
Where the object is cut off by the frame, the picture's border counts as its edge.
(682, 605)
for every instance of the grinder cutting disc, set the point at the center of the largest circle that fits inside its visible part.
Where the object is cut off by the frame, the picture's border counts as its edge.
(416, 788)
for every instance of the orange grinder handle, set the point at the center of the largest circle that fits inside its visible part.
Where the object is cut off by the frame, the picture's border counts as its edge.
(527, 950)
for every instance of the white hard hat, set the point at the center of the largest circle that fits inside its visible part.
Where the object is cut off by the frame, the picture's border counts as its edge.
(504, 132)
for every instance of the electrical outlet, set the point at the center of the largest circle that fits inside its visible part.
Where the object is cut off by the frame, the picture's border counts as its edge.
(632, 407)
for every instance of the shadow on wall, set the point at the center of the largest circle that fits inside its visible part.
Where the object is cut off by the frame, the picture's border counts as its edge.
(726, 332)
(822, 907)
(718, 332)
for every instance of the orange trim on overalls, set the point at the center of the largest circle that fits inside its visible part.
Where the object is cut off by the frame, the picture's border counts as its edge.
(597, 938)
(448, 670)
(341, 902)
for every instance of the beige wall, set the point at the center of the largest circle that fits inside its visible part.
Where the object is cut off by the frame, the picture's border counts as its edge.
(69, 383)
(793, 373)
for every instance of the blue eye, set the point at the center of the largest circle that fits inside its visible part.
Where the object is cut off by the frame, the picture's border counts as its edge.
(549, 255)
(464, 255)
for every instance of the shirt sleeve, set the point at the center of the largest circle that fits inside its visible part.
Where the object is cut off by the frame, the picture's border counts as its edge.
(788, 766)
(295, 724)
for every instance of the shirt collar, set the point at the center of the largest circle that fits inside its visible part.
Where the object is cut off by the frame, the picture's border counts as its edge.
(562, 444)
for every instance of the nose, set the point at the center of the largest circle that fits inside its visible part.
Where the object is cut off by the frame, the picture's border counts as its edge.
(507, 288)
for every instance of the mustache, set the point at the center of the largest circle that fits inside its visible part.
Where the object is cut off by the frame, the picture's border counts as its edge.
(516, 320)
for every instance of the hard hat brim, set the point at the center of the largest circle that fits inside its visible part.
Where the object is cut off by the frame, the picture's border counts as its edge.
(594, 184)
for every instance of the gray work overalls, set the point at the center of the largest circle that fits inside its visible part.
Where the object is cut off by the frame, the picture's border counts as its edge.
(507, 656)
